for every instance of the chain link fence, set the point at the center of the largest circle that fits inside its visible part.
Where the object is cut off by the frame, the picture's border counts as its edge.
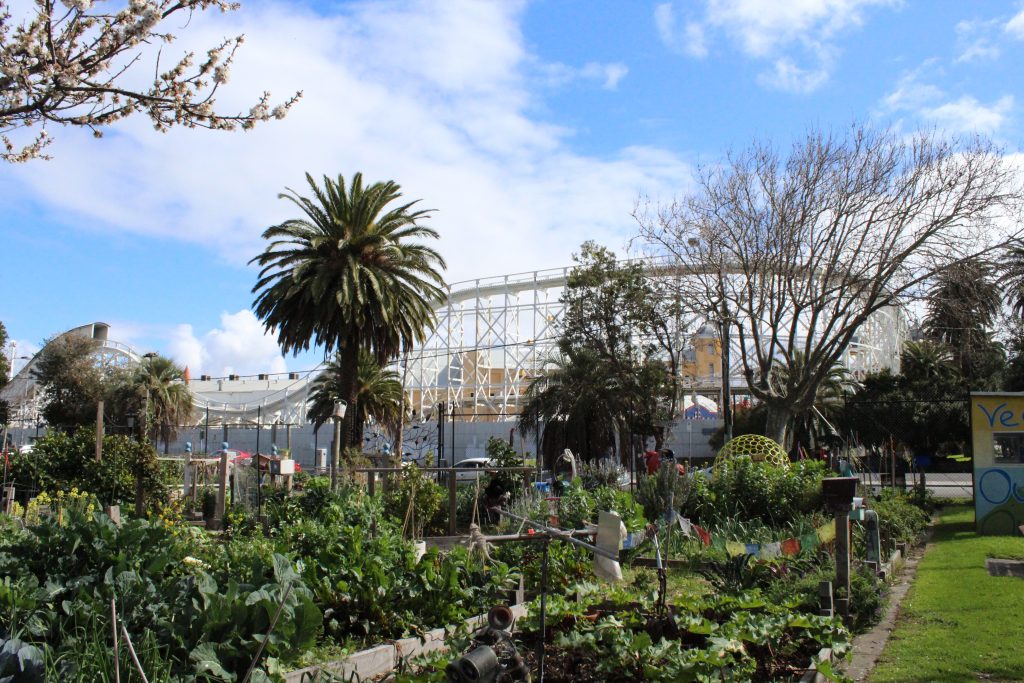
(911, 442)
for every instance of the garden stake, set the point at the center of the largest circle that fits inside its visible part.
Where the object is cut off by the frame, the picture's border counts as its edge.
(548, 533)
(270, 629)
(543, 607)
(117, 655)
(662, 577)
(131, 651)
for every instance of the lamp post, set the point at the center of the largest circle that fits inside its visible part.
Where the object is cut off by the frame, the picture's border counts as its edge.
(338, 415)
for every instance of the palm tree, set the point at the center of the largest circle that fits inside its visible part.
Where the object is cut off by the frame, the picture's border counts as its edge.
(378, 392)
(1011, 266)
(963, 306)
(159, 392)
(580, 398)
(928, 361)
(349, 275)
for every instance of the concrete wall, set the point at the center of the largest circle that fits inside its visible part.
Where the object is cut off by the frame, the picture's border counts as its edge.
(688, 438)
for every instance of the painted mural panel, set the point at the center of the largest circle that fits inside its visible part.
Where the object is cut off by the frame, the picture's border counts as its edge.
(997, 427)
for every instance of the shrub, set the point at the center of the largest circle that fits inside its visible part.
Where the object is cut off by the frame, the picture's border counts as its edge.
(504, 455)
(899, 520)
(60, 462)
(599, 474)
(415, 502)
(750, 490)
(654, 491)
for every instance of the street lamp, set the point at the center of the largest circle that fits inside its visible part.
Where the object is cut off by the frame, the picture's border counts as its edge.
(338, 415)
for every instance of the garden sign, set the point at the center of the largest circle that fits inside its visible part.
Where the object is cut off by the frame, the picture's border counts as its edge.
(997, 434)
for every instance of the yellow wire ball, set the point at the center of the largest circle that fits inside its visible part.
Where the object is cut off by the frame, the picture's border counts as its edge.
(754, 446)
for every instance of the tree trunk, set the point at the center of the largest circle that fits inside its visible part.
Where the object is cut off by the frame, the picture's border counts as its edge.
(349, 383)
(777, 425)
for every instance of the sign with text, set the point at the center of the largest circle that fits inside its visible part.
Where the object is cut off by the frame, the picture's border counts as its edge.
(997, 434)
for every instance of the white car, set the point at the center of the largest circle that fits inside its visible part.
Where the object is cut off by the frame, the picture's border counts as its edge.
(470, 469)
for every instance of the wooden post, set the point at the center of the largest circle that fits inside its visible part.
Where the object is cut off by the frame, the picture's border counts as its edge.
(842, 517)
(222, 488)
(453, 501)
(187, 476)
(99, 430)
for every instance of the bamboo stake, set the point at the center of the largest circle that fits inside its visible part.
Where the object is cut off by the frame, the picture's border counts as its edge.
(131, 651)
(117, 654)
(270, 629)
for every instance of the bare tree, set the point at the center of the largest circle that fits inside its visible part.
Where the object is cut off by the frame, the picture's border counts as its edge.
(68, 63)
(798, 251)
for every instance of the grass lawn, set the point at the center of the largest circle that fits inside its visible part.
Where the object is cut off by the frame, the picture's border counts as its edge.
(957, 623)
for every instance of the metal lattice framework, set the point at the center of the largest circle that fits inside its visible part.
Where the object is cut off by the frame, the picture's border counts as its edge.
(494, 334)
(754, 446)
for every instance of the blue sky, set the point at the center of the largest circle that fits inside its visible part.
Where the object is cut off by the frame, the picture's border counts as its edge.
(529, 126)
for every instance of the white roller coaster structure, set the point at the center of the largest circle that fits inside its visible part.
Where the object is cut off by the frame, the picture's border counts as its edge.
(493, 336)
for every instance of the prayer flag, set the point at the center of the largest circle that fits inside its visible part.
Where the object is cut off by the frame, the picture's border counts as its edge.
(735, 547)
(769, 550)
(790, 546)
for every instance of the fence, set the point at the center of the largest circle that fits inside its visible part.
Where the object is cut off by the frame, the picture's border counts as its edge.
(910, 442)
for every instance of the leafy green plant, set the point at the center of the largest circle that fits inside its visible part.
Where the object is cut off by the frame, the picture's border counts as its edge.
(415, 501)
(654, 491)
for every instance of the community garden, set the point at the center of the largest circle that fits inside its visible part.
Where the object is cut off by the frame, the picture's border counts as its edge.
(327, 573)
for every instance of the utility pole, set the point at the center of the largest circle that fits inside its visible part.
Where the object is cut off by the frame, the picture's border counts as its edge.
(726, 388)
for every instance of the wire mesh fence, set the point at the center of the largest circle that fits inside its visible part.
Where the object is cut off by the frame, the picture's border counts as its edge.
(911, 442)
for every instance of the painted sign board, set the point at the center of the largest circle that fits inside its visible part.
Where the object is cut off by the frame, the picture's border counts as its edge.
(997, 434)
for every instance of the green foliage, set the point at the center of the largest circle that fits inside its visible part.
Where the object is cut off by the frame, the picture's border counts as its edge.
(710, 639)
(899, 519)
(67, 575)
(756, 491)
(654, 491)
(616, 500)
(603, 381)
(600, 473)
(61, 461)
(71, 381)
(575, 507)
(504, 455)
(21, 662)
(415, 501)
(921, 409)
(352, 272)
(378, 394)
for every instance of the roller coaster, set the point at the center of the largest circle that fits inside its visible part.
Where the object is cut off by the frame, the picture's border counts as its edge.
(493, 336)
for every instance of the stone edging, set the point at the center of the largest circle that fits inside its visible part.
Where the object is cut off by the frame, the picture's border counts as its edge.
(868, 647)
(385, 658)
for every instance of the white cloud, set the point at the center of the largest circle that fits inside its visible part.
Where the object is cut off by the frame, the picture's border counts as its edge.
(915, 95)
(239, 346)
(769, 30)
(609, 75)
(1015, 26)
(975, 40)
(786, 75)
(968, 115)
(433, 95)
(689, 39)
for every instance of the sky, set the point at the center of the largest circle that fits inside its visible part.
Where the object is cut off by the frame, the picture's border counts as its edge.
(528, 127)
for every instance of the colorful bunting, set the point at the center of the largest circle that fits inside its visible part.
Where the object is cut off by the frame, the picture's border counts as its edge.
(735, 548)
(752, 549)
(790, 546)
(770, 550)
(827, 533)
(809, 541)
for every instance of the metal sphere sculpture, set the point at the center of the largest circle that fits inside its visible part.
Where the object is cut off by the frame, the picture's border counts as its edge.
(754, 446)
